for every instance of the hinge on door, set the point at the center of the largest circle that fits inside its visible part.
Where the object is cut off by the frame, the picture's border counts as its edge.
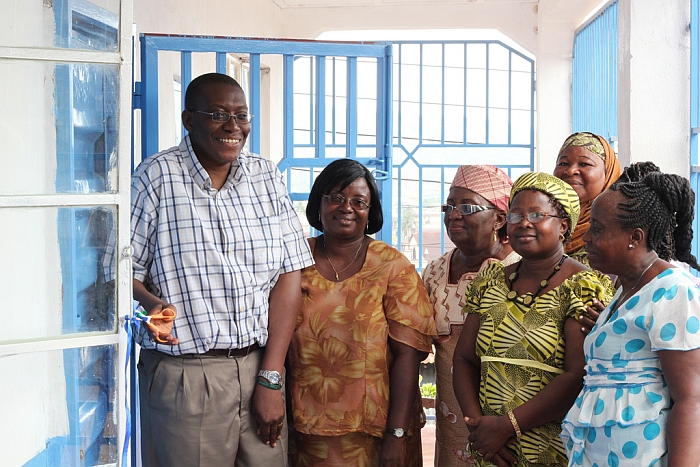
(137, 95)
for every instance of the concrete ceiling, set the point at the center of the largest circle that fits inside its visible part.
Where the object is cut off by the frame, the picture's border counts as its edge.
(355, 3)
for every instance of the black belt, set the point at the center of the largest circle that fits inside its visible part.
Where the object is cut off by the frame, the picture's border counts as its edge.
(226, 353)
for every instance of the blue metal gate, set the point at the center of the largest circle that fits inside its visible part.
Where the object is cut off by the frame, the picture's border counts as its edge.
(336, 101)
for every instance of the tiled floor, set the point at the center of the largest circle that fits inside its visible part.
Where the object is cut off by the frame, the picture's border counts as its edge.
(428, 440)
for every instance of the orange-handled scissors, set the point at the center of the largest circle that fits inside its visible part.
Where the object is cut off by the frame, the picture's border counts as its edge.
(154, 329)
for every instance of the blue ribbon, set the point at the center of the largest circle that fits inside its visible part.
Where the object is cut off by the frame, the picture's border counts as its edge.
(132, 326)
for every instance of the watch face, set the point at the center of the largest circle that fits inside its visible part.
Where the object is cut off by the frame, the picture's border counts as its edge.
(272, 376)
(398, 432)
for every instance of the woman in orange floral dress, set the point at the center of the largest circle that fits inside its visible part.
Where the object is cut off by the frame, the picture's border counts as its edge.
(365, 326)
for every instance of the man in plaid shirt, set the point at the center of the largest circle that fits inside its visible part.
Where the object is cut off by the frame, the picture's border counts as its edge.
(217, 241)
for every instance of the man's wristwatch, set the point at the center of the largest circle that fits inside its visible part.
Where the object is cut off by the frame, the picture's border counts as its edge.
(272, 377)
(397, 432)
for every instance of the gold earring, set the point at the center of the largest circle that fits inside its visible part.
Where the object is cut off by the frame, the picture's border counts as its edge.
(561, 237)
(495, 235)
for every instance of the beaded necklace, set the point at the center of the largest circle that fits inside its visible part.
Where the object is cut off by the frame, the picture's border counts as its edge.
(528, 298)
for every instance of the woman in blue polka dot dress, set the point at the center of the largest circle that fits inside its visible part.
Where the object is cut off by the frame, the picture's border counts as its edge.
(640, 405)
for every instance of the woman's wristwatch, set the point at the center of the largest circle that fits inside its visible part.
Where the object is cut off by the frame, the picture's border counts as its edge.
(272, 379)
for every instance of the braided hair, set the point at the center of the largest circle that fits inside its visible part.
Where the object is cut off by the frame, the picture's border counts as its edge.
(637, 171)
(665, 204)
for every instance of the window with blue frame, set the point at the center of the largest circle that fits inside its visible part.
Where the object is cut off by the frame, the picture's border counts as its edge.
(58, 202)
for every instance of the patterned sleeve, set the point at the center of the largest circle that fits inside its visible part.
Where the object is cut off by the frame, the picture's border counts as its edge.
(408, 309)
(479, 285)
(582, 288)
(144, 211)
(675, 312)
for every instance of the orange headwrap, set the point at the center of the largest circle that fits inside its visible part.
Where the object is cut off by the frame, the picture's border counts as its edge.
(591, 142)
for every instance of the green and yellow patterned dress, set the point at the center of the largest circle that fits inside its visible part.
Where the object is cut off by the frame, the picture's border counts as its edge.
(521, 348)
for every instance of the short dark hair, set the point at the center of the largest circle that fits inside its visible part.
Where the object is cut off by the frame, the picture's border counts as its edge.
(343, 172)
(663, 204)
(197, 86)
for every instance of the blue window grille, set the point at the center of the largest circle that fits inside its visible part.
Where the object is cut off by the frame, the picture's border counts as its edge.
(455, 103)
(695, 115)
(594, 80)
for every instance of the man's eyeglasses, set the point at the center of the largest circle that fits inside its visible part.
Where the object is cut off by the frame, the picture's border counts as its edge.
(533, 217)
(464, 209)
(223, 117)
(336, 200)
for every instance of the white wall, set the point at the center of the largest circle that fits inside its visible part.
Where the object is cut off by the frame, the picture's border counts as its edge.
(654, 84)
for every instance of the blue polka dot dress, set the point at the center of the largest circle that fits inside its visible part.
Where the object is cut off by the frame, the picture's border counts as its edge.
(619, 418)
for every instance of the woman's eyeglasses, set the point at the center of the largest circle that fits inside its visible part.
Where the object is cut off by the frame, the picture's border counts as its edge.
(336, 200)
(464, 209)
(532, 217)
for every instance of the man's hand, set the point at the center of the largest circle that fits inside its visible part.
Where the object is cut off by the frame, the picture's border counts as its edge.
(160, 329)
(268, 410)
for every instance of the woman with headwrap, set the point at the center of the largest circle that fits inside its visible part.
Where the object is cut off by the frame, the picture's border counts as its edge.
(475, 220)
(519, 361)
(588, 163)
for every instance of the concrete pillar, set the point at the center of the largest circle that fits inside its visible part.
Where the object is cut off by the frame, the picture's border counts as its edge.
(654, 84)
(553, 91)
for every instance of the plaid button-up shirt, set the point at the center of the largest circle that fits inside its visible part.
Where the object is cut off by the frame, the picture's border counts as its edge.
(214, 254)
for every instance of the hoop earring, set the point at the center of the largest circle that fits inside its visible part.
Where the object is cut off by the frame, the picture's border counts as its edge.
(562, 238)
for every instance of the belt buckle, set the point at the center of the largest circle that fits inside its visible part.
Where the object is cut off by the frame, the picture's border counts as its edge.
(231, 352)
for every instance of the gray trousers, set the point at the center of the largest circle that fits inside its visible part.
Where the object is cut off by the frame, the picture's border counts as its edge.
(196, 412)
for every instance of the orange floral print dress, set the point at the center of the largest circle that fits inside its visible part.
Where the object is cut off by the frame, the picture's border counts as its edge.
(339, 359)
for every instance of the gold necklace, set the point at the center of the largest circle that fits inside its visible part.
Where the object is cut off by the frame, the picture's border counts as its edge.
(627, 295)
(337, 273)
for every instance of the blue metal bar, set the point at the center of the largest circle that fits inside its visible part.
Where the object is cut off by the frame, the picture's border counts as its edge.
(254, 98)
(420, 96)
(464, 131)
(149, 98)
(263, 46)
(488, 114)
(510, 98)
(442, 98)
(221, 62)
(420, 216)
(334, 97)
(288, 109)
(351, 110)
(185, 79)
(385, 81)
(311, 93)
(320, 107)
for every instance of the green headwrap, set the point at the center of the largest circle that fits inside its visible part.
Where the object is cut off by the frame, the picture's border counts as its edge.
(553, 186)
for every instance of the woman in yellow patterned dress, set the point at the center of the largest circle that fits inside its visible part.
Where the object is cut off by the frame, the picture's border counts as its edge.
(519, 362)
(365, 326)
(475, 221)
